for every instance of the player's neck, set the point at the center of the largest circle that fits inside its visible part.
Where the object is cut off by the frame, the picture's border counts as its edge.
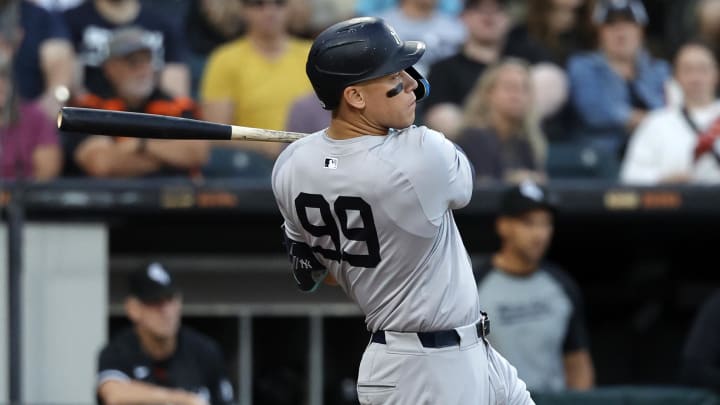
(156, 348)
(270, 46)
(342, 128)
(513, 264)
(118, 12)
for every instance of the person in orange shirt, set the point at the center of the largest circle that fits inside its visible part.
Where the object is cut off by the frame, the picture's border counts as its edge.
(134, 79)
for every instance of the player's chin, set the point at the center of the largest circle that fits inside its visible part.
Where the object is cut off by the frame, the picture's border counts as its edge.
(405, 120)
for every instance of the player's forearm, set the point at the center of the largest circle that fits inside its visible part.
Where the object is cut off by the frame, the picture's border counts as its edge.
(579, 371)
(179, 154)
(139, 393)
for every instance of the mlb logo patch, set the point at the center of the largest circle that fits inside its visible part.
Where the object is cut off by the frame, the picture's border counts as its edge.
(331, 163)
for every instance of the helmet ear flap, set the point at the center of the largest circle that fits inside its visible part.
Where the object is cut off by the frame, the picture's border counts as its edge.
(423, 87)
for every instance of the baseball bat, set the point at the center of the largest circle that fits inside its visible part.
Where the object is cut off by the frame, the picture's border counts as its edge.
(140, 125)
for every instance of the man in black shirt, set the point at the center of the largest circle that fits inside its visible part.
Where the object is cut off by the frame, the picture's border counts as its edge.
(487, 23)
(157, 361)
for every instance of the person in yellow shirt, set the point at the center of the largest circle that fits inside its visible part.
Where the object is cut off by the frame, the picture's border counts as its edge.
(254, 80)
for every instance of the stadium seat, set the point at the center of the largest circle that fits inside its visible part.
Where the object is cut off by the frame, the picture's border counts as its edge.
(580, 159)
(229, 163)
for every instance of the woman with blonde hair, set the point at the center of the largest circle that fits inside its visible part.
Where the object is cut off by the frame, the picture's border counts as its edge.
(501, 135)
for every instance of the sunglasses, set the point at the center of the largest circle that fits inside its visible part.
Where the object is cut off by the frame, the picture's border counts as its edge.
(259, 3)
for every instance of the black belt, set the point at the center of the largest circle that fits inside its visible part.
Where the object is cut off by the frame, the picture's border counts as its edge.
(441, 338)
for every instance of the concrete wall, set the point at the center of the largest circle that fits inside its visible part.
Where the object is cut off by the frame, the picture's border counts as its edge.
(64, 311)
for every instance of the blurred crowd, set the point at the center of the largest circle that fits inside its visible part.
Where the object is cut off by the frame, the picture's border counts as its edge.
(541, 89)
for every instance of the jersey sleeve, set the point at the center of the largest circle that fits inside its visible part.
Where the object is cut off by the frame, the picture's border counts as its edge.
(221, 390)
(282, 193)
(576, 336)
(441, 173)
(112, 365)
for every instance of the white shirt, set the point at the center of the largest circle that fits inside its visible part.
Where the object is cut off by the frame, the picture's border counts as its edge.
(663, 146)
(57, 5)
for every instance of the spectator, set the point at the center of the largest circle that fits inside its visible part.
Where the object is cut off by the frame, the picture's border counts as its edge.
(28, 139)
(662, 150)
(707, 24)
(307, 115)
(43, 60)
(253, 81)
(553, 31)
(325, 13)
(92, 23)
(486, 22)
(613, 88)
(158, 361)
(375, 7)
(57, 5)
(701, 355)
(536, 308)
(133, 78)
(500, 135)
(209, 24)
(420, 20)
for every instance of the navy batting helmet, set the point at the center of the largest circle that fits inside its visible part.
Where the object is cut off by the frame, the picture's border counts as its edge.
(356, 50)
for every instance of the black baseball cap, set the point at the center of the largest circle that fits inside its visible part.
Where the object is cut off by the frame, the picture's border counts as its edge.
(607, 11)
(524, 197)
(152, 284)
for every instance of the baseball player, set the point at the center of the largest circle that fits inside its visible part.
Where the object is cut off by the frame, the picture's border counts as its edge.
(368, 205)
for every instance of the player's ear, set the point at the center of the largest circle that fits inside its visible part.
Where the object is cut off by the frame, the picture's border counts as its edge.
(354, 96)
(502, 227)
(132, 308)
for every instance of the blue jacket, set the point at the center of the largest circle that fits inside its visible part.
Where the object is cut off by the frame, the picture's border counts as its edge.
(601, 98)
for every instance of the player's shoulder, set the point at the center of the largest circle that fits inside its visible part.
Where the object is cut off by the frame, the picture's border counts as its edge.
(416, 137)
(287, 154)
(197, 342)
(561, 276)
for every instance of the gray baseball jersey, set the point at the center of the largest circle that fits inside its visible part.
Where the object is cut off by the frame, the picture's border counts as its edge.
(376, 211)
(536, 320)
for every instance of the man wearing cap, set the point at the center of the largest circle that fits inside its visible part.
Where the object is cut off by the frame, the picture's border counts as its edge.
(487, 23)
(132, 72)
(538, 324)
(157, 361)
(614, 87)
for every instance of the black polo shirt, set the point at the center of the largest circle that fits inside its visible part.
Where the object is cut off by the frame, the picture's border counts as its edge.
(196, 366)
